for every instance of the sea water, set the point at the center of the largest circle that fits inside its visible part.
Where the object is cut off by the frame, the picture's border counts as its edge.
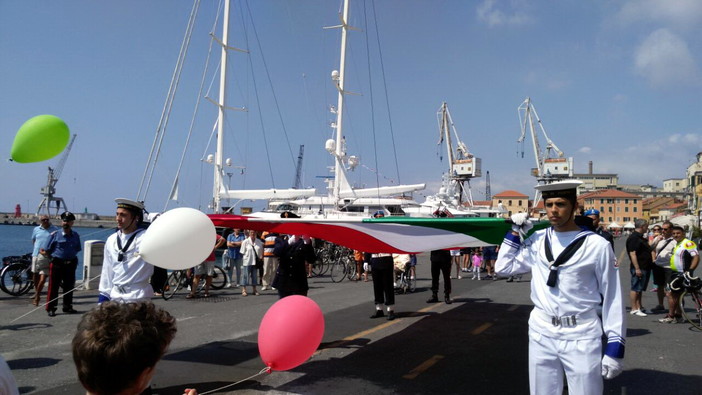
(17, 240)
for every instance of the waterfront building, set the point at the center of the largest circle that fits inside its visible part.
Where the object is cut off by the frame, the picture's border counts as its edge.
(614, 205)
(512, 201)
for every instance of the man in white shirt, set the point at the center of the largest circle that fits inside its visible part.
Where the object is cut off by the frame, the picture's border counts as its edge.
(564, 328)
(125, 275)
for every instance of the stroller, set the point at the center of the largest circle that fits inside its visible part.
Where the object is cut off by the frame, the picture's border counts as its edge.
(405, 278)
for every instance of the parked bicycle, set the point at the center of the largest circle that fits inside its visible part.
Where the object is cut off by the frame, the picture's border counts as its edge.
(182, 279)
(343, 265)
(691, 296)
(16, 276)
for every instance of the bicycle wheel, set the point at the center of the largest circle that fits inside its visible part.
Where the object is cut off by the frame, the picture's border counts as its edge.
(219, 278)
(338, 271)
(16, 279)
(694, 314)
(173, 284)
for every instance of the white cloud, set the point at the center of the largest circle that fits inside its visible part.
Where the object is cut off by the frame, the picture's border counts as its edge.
(672, 12)
(492, 16)
(664, 59)
(688, 138)
(585, 150)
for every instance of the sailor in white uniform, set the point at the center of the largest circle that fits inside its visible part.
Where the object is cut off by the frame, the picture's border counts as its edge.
(573, 270)
(125, 275)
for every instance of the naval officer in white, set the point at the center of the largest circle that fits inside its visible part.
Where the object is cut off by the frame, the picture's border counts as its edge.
(125, 275)
(573, 270)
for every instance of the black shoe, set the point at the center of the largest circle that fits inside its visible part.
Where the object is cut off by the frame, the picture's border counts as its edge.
(433, 299)
(448, 300)
(70, 310)
(391, 315)
(378, 314)
(52, 313)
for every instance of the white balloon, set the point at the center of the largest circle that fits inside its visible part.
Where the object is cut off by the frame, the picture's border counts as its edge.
(179, 239)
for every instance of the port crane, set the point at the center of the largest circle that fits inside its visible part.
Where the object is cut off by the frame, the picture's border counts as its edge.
(551, 164)
(462, 164)
(49, 190)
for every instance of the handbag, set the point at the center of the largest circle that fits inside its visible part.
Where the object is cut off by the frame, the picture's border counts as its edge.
(259, 261)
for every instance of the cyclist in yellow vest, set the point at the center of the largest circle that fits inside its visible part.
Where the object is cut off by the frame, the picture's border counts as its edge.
(685, 258)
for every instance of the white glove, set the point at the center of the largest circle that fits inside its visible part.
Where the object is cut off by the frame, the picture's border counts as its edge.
(611, 367)
(366, 267)
(521, 223)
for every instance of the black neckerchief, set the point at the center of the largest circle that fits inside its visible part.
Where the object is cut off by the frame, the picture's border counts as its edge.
(566, 254)
(122, 250)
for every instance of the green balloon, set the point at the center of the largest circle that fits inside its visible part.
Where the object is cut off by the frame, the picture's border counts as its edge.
(40, 138)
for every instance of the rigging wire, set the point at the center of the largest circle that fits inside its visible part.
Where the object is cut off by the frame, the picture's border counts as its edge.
(385, 88)
(167, 107)
(258, 105)
(375, 145)
(174, 185)
(270, 82)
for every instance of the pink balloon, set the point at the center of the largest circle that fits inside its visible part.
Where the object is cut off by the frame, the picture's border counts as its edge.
(290, 332)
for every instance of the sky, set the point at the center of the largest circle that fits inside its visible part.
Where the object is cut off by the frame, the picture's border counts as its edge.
(615, 83)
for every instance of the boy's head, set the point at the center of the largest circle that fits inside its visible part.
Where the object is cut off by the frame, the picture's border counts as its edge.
(117, 346)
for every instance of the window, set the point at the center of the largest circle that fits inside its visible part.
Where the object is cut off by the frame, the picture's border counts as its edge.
(635, 209)
(619, 209)
(601, 201)
(626, 201)
(626, 209)
(602, 209)
(509, 203)
(610, 219)
(609, 209)
(519, 203)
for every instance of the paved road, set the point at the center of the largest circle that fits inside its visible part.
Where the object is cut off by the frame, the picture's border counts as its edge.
(476, 345)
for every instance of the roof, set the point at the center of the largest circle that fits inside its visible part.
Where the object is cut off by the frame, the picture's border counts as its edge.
(482, 203)
(510, 193)
(608, 193)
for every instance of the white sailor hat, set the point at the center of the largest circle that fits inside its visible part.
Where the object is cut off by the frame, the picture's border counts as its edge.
(564, 189)
(129, 204)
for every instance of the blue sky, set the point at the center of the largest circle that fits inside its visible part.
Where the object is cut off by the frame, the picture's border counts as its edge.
(616, 83)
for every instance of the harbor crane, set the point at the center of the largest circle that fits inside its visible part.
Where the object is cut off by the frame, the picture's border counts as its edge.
(551, 164)
(462, 164)
(49, 190)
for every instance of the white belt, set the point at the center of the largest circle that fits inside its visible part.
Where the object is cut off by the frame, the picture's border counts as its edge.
(566, 320)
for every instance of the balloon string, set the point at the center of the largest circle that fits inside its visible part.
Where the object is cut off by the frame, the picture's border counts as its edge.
(267, 369)
(56, 298)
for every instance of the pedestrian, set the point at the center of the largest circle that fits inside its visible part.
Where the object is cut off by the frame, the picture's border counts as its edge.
(477, 263)
(456, 260)
(489, 257)
(252, 251)
(684, 259)
(117, 346)
(270, 260)
(383, 272)
(440, 261)
(40, 262)
(125, 275)
(206, 270)
(291, 275)
(235, 258)
(594, 214)
(564, 328)
(660, 270)
(358, 258)
(641, 258)
(63, 246)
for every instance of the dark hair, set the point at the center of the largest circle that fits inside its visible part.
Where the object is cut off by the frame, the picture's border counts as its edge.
(678, 227)
(116, 342)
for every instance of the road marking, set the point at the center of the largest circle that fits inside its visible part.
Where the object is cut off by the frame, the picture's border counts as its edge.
(482, 328)
(423, 367)
(375, 329)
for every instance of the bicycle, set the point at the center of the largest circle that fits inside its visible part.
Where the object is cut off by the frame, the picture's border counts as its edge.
(692, 294)
(405, 281)
(178, 279)
(16, 277)
(344, 266)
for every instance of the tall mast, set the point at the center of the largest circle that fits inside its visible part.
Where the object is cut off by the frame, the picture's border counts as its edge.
(339, 152)
(447, 134)
(219, 152)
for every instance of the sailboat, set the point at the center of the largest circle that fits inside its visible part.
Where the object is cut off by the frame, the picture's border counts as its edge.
(454, 198)
(342, 200)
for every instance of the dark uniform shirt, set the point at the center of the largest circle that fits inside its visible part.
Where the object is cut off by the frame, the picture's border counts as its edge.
(63, 246)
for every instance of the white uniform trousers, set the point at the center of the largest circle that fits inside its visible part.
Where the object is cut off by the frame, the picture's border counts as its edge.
(549, 358)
